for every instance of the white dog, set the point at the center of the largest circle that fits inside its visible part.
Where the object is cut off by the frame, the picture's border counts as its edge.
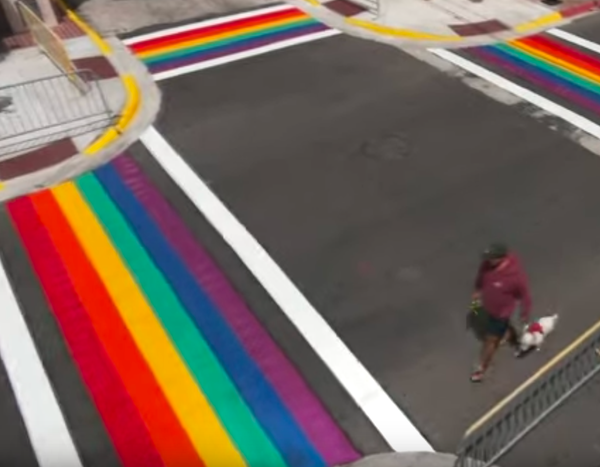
(535, 333)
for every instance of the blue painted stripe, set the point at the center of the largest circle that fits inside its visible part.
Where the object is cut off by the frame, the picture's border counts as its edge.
(257, 40)
(254, 388)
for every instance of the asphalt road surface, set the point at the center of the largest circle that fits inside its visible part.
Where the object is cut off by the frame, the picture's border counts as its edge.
(374, 180)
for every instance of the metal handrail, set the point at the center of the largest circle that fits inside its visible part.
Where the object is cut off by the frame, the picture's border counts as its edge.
(40, 111)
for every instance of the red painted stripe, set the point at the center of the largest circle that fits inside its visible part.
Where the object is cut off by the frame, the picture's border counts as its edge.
(215, 29)
(122, 421)
(563, 52)
(167, 433)
(577, 10)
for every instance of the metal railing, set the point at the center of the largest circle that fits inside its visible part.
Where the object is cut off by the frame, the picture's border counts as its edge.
(35, 113)
(499, 430)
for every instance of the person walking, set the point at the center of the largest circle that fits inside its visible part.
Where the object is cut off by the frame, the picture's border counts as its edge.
(501, 287)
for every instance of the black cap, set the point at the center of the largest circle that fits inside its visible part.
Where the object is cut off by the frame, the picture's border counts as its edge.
(495, 250)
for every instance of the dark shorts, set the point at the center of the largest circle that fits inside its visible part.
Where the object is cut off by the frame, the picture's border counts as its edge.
(497, 327)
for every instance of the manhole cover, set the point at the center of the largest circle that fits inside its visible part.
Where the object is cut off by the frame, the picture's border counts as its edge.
(388, 147)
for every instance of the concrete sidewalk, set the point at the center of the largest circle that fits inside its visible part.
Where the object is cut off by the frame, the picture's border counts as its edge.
(444, 23)
(53, 126)
(405, 23)
(411, 459)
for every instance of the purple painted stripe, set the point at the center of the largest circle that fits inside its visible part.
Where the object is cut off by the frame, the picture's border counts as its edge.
(302, 403)
(536, 79)
(241, 47)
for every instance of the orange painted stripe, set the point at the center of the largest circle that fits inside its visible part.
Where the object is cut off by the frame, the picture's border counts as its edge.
(217, 37)
(171, 441)
(209, 31)
(587, 62)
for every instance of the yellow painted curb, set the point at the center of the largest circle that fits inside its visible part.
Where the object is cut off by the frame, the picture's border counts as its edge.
(132, 105)
(128, 113)
(313, 2)
(401, 32)
(93, 35)
(131, 88)
(104, 140)
(541, 22)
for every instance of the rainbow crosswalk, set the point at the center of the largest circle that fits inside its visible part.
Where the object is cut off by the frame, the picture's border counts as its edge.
(208, 41)
(178, 367)
(176, 364)
(545, 62)
(550, 65)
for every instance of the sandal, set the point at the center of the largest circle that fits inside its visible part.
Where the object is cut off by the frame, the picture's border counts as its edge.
(477, 376)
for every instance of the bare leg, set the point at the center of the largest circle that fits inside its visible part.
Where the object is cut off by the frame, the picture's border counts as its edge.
(490, 346)
(510, 336)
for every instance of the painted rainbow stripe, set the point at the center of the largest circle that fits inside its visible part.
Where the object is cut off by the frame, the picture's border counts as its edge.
(180, 370)
(545, 63)
(212, 41)
(549, 65)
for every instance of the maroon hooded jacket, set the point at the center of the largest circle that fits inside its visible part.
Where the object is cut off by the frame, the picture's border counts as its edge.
(504, 288)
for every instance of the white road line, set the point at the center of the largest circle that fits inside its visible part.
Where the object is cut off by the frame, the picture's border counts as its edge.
(48, 433)
(546, 104)
(246, 54)
(580, 41)
(385, 415)
(208, 23)
(370, 397)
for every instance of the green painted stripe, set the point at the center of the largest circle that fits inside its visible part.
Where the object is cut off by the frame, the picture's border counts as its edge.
(223, 42)
(236, 417)
(550, 68)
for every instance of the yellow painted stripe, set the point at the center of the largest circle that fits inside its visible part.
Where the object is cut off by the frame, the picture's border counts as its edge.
(128, 113)
(400, 32)
(216, 37)
(104, 46)
(541, 22)
(593, 77)
(313, 2)
(131, 105)
(193, 410)
(102, 141)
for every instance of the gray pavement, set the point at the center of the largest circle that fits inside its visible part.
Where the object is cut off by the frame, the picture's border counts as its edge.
(375, 180)
(123, 16)
(407, 459)
(421, 459)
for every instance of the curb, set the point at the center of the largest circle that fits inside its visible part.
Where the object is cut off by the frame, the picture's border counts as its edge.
(132, 91)
(128, 113)
(406, 33)
(536, 25)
